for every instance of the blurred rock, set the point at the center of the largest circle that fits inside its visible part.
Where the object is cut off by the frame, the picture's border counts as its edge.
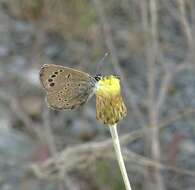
(22, 26)
(23, 35)
(82, 129)
(5, 21)
(4, 51)
(32, 105)
(16, 150)
(89, 112)
(19, 62)
(188, 147)
(15, 147)
(54, 46)
(5, 122)
(32, 76)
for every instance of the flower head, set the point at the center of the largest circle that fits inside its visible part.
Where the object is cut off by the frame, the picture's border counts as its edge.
(110, 107)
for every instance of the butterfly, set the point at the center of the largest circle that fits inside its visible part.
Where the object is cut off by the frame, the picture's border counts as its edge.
(67, 88)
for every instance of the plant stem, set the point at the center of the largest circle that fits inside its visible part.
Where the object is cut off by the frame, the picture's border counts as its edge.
(116, 144)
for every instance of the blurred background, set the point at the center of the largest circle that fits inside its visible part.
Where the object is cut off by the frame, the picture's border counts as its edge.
(150, 45)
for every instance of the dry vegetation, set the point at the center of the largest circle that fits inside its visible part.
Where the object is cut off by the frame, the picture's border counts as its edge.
(151, 45)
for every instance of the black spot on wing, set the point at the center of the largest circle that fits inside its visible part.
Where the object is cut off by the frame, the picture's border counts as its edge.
(52, 84)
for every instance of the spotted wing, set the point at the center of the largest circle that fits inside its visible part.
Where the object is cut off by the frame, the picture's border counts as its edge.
(66, 88)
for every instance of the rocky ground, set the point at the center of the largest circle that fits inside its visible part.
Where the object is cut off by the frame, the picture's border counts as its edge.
(71, 33)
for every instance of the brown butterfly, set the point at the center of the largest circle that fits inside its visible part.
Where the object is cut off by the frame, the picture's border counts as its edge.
(67, 88)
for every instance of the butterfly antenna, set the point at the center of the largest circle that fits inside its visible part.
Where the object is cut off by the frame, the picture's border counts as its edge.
(100, 63)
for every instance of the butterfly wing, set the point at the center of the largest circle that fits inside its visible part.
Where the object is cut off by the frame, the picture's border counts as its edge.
(66, 88)
(55, 77)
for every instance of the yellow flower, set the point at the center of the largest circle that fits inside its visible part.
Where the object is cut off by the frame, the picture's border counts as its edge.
(110, 107)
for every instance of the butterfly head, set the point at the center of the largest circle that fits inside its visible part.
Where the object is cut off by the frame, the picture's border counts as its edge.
(98, 77)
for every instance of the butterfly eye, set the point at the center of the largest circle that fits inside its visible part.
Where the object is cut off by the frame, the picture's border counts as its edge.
(98, 77)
